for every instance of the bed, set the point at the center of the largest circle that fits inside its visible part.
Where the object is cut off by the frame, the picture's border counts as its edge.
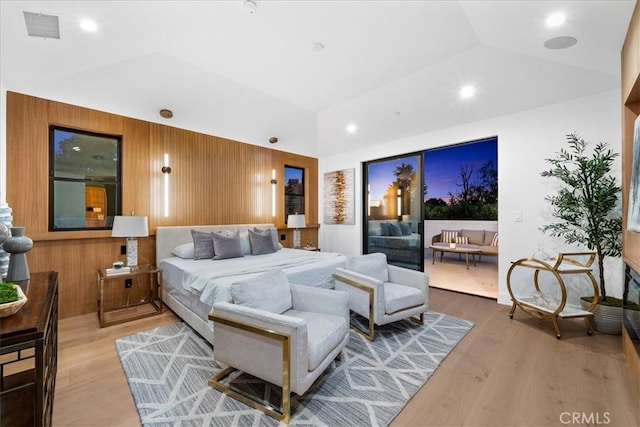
(191, 287)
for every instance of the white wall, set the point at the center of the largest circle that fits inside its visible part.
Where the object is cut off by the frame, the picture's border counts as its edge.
(3, 143)
(525, 140)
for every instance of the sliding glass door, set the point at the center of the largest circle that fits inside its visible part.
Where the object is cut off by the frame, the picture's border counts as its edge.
(393, 214)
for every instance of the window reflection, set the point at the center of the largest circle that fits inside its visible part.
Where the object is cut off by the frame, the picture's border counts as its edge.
(84, 179)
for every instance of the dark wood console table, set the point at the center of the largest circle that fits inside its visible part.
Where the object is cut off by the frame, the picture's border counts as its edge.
(29, 355)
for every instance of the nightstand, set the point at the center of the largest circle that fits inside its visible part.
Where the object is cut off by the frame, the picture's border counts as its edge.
(141, 287)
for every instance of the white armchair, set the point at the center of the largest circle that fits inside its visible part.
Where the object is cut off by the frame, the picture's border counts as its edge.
(283, 333)
(382, 293)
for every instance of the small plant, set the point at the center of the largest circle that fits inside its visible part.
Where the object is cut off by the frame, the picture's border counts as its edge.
(8, 293)
(453, 240)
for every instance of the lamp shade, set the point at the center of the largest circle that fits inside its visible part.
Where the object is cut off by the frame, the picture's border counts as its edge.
(296, 221)
(130, 226)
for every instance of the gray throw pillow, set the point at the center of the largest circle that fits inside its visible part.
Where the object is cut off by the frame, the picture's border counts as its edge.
(384, 229)
(274, 237)
(261, 242)
(394, 229)
(405, 229)
(202, 245)
(226, 244)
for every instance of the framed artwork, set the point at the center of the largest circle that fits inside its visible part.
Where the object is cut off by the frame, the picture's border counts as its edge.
(339, 195)
(633, 214)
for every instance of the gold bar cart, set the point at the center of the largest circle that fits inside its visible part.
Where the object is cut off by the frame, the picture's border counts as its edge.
(537, 306)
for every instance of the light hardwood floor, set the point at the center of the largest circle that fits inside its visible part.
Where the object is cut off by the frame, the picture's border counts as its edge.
(451, 274)
(503, 373)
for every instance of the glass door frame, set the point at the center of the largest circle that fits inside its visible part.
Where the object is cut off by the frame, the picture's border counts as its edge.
(419, 155)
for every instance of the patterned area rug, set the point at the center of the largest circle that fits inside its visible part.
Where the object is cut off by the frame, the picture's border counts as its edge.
(168, 368)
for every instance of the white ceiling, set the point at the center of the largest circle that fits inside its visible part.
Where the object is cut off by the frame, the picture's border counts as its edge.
(394, 68)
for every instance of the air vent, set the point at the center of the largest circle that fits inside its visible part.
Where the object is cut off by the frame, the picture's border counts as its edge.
(40, 25)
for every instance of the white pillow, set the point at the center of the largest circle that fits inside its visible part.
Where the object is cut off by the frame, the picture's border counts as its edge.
(185, 251)
(269, 291)
(373, 265)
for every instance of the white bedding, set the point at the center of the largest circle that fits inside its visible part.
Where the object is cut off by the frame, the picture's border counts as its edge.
(212, 279)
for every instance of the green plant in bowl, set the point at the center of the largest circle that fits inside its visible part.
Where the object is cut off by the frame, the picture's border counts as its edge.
(8, 293)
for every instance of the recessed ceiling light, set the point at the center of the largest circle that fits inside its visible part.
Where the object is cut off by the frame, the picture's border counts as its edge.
(561, 42)
(88, 25)
(556, 19)
(352, 128)
(467, 91)
(396, 113)
(318, 47)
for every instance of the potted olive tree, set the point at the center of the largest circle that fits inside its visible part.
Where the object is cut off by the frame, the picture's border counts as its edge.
(587, 214)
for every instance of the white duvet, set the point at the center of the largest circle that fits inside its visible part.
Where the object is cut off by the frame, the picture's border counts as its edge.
(212, 279)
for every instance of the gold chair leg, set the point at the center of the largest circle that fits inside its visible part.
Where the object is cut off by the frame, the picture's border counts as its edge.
(370, 335)
(419, 320)
(216, 380)
(369, 291)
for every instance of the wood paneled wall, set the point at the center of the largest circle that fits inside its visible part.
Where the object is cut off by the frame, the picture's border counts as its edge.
(213, 181)
(630, 111)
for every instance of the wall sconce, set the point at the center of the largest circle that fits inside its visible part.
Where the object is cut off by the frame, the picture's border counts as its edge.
(274, 181)
(399, 202)
(166, 170)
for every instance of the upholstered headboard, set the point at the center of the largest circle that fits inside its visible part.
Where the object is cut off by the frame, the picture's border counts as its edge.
(168, 238)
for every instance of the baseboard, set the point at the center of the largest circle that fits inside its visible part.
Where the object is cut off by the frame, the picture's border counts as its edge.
(631, 354)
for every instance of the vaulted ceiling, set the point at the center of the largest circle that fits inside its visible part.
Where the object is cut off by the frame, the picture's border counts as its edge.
(393, 68)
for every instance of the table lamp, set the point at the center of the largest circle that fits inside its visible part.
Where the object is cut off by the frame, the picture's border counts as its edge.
(130, 227)
(296, 222)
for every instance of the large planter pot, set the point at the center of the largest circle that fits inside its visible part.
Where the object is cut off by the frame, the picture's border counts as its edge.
(607, 320)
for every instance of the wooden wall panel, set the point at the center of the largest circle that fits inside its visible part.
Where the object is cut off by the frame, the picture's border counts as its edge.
(136, 167)
(27, 162)
(310, 166)
(631, 59)
(77, 262)
(630, 111)
(213, 181)
(631, 240)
